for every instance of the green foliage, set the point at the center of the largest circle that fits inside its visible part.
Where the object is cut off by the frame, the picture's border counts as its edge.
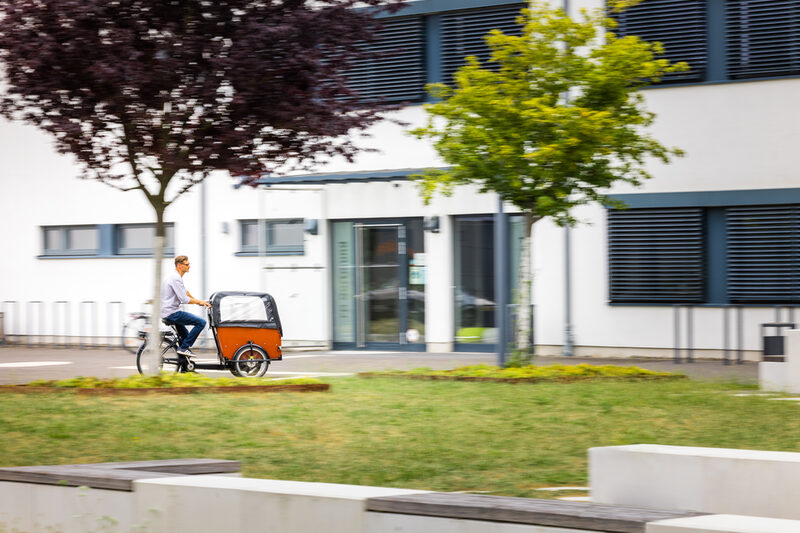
(535, 373)
(166, 380)
(553, 120)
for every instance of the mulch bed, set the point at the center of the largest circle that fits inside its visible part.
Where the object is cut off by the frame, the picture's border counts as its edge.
(312, 387)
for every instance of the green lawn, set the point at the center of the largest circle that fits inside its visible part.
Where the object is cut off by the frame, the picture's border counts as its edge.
(437, 435)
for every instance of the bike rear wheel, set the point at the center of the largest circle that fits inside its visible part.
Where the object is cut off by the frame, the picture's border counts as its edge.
(250, 362)
(169, 360)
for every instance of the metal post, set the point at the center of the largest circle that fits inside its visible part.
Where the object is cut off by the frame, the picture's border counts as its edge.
(568, 342)
(203, 253)
(725, 335)
(676, 337)
(500, 281)
(689, 334)
(739, 335)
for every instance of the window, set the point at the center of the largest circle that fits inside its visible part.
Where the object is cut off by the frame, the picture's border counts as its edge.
(463, 34)
(656, 255)
(137, 239)
(679, 25)
(764, 254)
(723, 254)
(423, 45)
(103, 240)
(763, 38)
(281, 237)
(71, 240)
(399, 73)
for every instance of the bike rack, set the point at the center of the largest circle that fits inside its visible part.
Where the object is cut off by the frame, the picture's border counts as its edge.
(66, 322)
(81, 317)
(110, 306)
(40, 335)
(15, 305)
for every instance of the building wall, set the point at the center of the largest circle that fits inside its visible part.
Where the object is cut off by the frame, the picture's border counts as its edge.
(737, 136)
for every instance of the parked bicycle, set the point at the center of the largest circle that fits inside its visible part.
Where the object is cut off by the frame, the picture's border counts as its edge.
(135, 330)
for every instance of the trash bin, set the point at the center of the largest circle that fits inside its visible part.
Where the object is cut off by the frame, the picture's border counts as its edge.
(773, 345)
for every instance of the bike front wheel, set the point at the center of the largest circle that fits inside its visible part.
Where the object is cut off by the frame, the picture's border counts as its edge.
(169, 360)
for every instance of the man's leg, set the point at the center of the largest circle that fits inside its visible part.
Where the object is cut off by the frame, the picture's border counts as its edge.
(182, 318)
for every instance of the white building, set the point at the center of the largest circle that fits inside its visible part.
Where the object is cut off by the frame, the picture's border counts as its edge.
(375, 268)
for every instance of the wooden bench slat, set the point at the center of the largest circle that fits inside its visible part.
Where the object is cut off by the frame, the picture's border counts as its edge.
(556, 513)
(115, 476)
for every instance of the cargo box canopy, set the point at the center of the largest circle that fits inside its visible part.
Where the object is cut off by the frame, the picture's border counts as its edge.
(244, 309)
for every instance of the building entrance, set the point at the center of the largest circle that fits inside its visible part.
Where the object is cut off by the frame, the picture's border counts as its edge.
(379, 285)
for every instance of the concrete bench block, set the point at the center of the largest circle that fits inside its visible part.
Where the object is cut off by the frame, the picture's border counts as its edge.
(707, 480)
(402, 523)
(724, 523)
(212, 504)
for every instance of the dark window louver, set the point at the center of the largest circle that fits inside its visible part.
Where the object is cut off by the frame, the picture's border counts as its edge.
(763, 246)
(763, 38)
(656, 255)
(679, 25)
(399, 74)
(463, 34)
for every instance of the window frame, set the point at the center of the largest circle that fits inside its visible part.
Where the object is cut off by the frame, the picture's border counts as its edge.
(270, 248)
(119, 250)
(64, 249)
(723, 247)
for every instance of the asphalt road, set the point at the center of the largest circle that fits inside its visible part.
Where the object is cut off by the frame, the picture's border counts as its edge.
(22, 364)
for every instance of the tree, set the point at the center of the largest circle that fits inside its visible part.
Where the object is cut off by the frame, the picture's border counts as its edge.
(551, 122)
(153, 96)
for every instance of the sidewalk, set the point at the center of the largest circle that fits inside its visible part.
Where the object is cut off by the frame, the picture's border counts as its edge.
(20, 364)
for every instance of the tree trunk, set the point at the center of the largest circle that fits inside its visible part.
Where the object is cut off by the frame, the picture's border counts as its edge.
(523, 326)
(151, 358)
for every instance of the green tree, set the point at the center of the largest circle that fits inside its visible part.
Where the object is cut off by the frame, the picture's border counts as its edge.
(550, 123)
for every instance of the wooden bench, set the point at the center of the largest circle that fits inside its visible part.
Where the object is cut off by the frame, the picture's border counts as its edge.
(554, 513)
(115, 476)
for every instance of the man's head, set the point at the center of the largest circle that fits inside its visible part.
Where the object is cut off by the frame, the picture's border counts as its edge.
(182, 264)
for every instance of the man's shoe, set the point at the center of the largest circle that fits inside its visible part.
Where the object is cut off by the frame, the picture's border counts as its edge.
(186, 353)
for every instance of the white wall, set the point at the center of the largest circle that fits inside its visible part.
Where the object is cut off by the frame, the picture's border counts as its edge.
(736, 136)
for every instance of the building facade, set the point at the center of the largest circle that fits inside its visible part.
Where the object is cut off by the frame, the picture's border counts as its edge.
(707, 251)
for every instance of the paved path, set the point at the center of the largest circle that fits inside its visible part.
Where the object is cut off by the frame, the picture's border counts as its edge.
(21, 365)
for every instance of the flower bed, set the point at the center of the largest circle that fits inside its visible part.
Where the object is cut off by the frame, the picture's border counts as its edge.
(168, 383)
(532, 373)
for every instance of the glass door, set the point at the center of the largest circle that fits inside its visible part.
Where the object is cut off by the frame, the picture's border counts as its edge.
(378, 285)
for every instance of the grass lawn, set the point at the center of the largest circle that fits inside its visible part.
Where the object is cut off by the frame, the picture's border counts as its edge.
(439, 435)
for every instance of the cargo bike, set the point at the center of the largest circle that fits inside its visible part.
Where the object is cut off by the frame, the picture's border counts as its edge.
(247, 334)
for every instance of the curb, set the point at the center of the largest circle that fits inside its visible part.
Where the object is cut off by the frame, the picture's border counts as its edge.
(25, 389)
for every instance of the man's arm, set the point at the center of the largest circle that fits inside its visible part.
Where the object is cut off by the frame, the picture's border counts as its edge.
(195, 301)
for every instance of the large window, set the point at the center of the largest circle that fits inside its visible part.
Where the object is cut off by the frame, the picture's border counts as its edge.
(103, 240)
(763, 38)
(720, 39)
(422, 45)
(746, 254)
(71, 240)
(679, 25)
(137, 239)
(656, 255)
(280, 237)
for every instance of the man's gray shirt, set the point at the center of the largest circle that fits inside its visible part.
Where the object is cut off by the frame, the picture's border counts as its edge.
(173, 294)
